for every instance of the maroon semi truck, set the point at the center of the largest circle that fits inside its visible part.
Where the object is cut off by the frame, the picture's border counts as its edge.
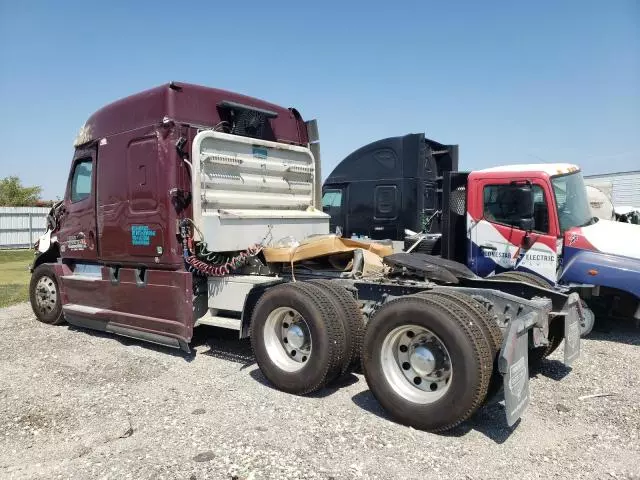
(173, 195)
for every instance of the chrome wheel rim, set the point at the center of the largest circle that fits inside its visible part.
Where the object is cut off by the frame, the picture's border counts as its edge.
(46, 295)
(287, 338)
(416, 364)
(587, 320)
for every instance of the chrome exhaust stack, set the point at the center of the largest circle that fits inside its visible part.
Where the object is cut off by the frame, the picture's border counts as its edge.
(314, 146)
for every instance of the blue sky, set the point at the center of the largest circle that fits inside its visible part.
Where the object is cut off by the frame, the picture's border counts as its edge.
(510, 82)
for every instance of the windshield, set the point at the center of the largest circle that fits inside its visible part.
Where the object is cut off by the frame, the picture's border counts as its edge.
(571, 201)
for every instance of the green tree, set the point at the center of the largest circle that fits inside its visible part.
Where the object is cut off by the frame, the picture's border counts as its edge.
(13, 194)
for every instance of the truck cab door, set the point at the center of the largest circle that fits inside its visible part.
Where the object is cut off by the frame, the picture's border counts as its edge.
(498, 240)
(77, 234)
(334, 204)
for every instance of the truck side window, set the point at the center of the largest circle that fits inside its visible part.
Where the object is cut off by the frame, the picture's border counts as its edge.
(332, 199)
(81, 181)
(499, 207)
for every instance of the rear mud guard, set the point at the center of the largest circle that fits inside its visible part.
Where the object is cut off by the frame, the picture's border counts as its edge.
(572, 329)
(513, 362)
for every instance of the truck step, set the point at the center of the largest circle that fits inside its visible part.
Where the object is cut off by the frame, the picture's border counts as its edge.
(85, 316)
(217, 321)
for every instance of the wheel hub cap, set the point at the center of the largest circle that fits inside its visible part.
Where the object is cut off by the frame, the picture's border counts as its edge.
(295, 336)
(422, 361)
(287, 338)
(46, 297)
(416, 363)
(587, 320)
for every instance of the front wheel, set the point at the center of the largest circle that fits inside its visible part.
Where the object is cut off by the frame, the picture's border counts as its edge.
(587, 319)
(44, 295)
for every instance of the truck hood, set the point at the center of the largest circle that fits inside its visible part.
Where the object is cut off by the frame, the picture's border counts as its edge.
(605, 236)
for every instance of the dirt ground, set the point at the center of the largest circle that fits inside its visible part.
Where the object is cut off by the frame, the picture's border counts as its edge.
(78, 404)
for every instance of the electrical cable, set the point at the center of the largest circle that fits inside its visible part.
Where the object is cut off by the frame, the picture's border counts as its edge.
(190, 166)
(200, 261)
(220, 126)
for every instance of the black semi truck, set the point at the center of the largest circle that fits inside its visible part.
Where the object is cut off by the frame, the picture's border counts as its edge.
(388, 186)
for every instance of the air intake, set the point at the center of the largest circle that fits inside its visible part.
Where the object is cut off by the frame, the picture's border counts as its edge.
(248, 121)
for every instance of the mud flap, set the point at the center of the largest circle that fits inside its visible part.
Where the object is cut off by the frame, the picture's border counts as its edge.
(513, 364)
(572, 329)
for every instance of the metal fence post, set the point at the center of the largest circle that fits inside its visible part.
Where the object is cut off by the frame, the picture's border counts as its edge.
(30, 230)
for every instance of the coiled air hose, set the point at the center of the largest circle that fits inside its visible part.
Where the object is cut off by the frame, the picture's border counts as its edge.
(201, 261)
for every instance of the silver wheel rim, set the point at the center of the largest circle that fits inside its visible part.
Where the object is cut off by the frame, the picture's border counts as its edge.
(416, 364)
(587, 320)
(287, 338)
(46, 295)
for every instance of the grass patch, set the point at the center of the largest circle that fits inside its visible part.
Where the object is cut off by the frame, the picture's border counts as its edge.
(14, 276)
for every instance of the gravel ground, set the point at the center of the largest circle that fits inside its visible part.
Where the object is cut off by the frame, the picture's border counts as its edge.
(78, 404)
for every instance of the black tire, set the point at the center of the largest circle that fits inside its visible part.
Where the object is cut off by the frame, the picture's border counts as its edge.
(556, 325)
(467, 347)
(481, 314)
(326, 330)
(475, 318)
(489, 327)
(351, 318)
(43, 288)
(523, 277)
(555, 337)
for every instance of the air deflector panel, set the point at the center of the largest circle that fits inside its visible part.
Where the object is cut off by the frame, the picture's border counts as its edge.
(243, 188)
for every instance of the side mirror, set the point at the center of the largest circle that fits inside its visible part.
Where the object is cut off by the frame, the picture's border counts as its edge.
(526, 224)
(523, 195)
(523, 199)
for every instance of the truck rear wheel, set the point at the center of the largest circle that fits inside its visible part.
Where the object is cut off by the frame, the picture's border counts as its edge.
(351, 317)
(297, 338)
(425, 362)
(490, 328)
(44, 295)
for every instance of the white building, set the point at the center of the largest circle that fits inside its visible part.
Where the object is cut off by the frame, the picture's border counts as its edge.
(623, 187)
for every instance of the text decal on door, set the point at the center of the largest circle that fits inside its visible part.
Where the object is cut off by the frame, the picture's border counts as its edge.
(141, 235)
